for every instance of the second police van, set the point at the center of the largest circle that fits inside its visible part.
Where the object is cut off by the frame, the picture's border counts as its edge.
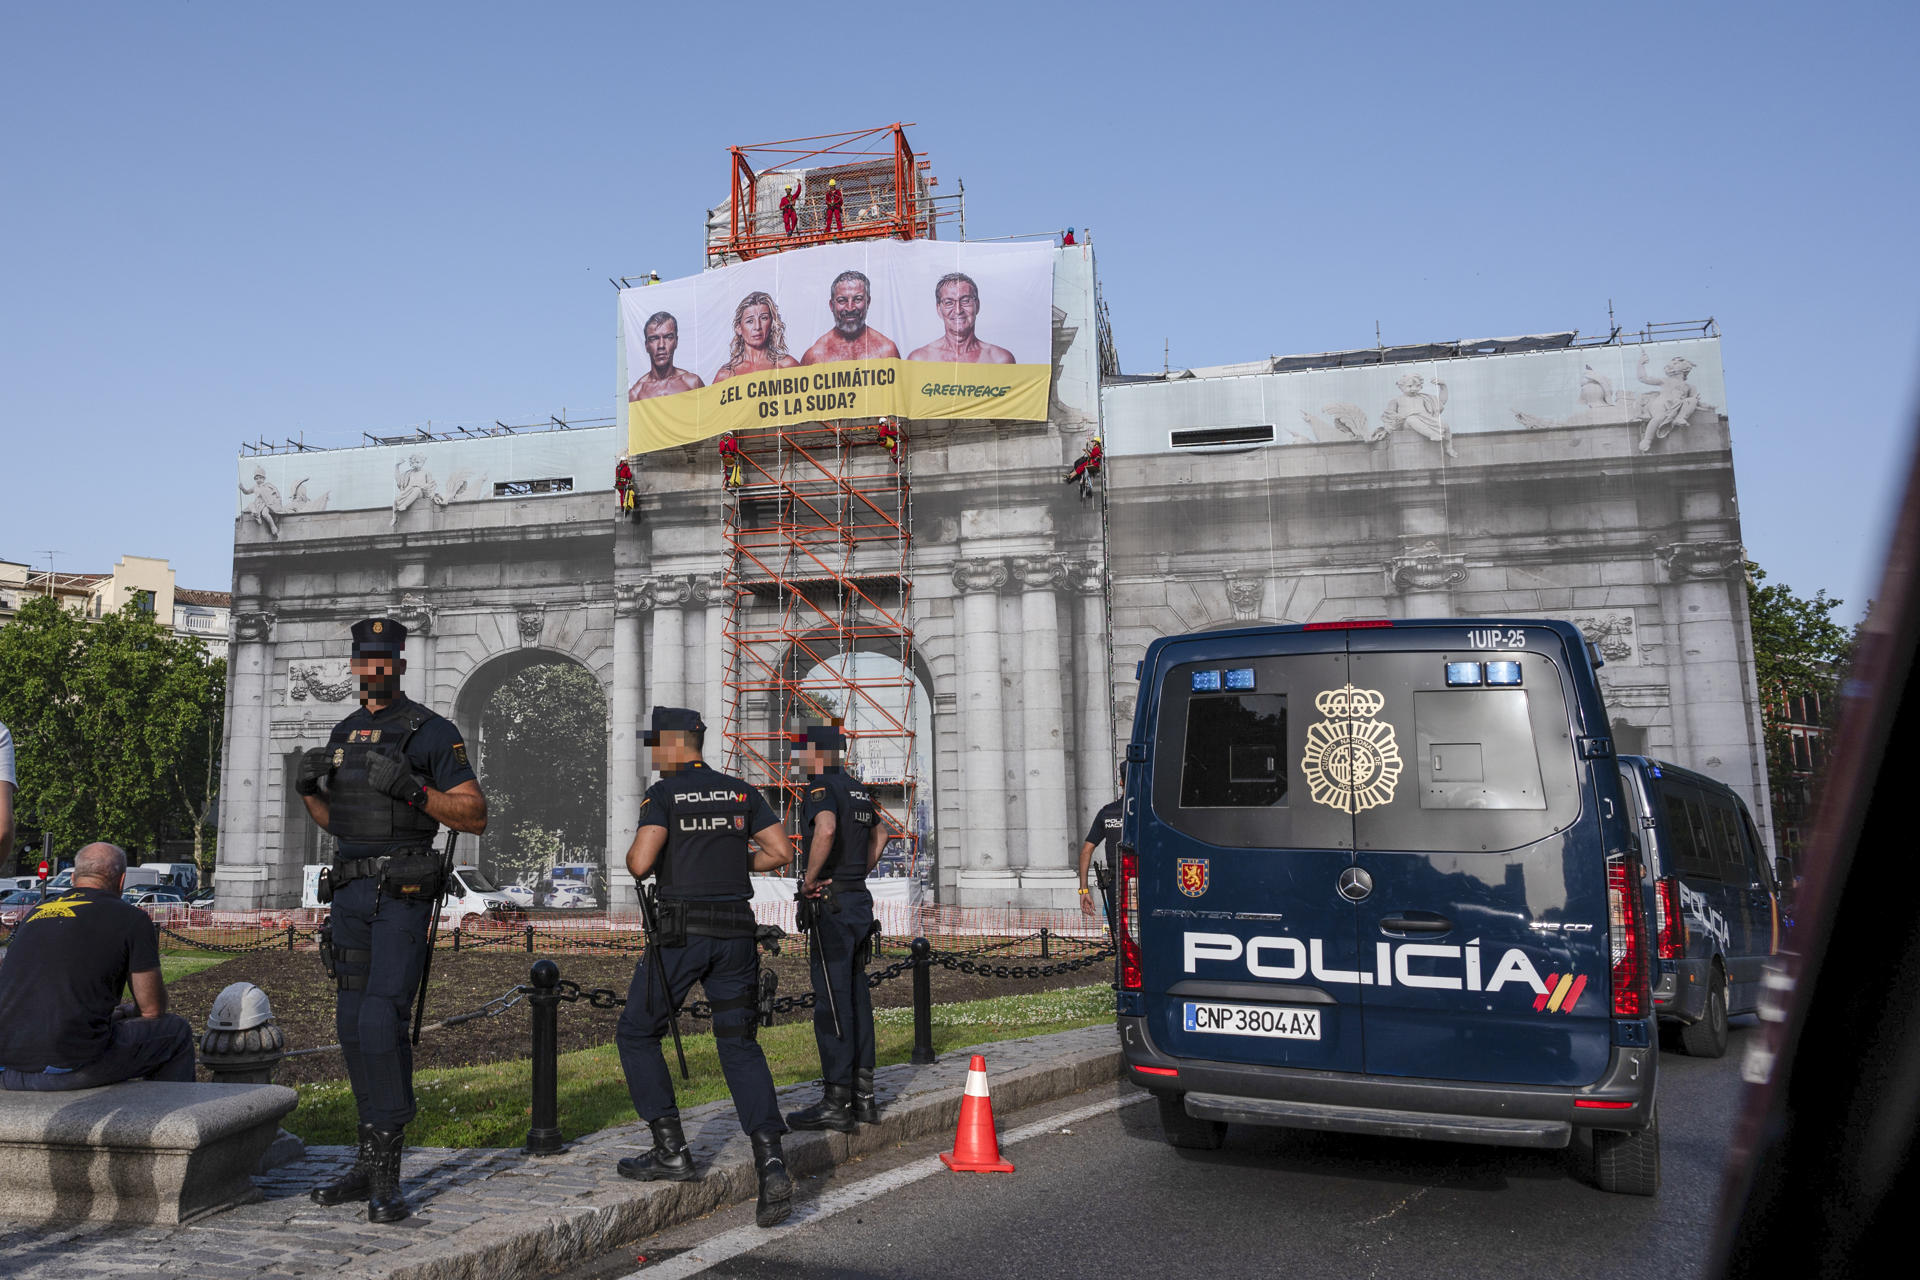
(1382, 878)
(1714, 906)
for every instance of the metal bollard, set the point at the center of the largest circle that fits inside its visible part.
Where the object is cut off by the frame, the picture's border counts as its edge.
(456, 940)
(543, 1139)
(922, 1002)
(1043, 942)
(289, 936)
(529, 939)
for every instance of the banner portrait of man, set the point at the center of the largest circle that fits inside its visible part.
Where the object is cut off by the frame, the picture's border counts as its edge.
(660, 336)
(849, 299)
(957, 300)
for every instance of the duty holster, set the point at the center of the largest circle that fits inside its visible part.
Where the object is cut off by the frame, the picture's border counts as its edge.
(669, 921)
(326, 939)
(323, 889)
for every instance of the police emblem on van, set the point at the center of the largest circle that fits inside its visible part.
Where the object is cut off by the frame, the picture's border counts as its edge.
(1191, 875)
(1351, 763)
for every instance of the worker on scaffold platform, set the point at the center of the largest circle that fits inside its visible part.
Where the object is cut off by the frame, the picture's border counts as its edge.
(835, 203)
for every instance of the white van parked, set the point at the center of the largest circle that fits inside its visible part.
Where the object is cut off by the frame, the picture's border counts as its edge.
(470, 898)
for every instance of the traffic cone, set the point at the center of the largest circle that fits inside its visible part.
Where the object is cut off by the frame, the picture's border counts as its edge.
(976, 1147)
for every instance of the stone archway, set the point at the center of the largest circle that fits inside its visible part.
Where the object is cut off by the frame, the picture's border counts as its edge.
(536, 725)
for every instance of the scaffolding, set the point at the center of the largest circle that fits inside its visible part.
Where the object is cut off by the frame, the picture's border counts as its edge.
(820, 572)
(887, 193)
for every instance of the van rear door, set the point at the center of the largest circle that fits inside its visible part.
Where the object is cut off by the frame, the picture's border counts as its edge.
(1486, 924)
(1248, 950)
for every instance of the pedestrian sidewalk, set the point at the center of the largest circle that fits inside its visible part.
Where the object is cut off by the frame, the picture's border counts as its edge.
(499, 1213)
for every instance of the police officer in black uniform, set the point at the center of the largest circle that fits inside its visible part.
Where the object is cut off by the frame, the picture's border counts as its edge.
(391, 774)
(844, 838)
(1105, 828)
(695, 827)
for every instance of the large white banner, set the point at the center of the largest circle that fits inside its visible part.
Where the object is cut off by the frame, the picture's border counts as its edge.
(916, 329)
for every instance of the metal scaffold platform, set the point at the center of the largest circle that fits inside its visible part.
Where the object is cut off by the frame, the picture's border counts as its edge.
(818, 630)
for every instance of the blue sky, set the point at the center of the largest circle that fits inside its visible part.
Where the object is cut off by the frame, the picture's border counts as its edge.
(225, 221)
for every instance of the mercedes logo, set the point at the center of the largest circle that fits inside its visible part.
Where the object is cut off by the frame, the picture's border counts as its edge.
(1355, 884)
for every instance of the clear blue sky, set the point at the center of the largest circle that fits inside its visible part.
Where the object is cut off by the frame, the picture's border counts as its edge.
(223, 221)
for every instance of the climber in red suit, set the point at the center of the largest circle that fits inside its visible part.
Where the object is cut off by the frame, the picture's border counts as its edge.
(834, 203)
(1087, 467)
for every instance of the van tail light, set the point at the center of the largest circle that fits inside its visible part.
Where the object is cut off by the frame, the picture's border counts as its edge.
(1669, 922)
(1129, 921)
(1627, 939)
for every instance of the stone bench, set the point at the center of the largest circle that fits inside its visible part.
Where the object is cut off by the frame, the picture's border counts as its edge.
(146, 1151)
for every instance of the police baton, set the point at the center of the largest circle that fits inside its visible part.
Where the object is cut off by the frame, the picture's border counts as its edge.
(653, 963)
(1104, 878)
(433, 933)
(807, 916)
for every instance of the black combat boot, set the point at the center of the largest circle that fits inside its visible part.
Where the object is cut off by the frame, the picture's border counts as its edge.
(384, 1201)
(834, 1111)
(669, 1161)
(866, 1108)
(776, 1184)
(351, 1185)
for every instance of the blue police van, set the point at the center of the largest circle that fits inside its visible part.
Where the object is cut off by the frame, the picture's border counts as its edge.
(1711, 897)
(1381, 877)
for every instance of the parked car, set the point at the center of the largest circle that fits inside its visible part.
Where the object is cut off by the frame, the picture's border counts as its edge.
(570, 893)
(153, 898)
(17, 904)
(1379, 877)
(1710, 892)
(522, 894)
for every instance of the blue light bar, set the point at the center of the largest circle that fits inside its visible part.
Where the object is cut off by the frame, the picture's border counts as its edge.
(1503, 673)
(1206, 682)
(1240, 678)
(1463, 673)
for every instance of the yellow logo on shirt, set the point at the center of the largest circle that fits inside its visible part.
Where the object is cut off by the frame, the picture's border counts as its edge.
(57, 909)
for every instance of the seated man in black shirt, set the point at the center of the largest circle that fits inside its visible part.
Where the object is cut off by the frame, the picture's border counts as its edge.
(62, 1025)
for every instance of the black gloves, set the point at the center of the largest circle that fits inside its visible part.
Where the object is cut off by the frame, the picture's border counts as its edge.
(316, 764)
(391, 775)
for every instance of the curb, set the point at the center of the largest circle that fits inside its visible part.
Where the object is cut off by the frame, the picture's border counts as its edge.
(916, 1103)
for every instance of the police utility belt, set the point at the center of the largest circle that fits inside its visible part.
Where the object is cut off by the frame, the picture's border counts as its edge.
(411, 875)
(680, 917)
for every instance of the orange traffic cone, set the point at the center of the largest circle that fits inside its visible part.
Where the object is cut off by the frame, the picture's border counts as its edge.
(976, 1147)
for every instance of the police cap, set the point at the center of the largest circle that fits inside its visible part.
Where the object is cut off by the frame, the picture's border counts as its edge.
(378, 637)
(825, 736)
(672, 718)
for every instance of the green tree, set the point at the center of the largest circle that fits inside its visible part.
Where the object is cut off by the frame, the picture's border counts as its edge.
(117, 726)
(1798, 650)
(544, 761)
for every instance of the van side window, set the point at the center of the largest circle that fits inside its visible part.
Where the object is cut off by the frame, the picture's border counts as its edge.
(1236, 752)
(1688, 855)
(1729, 850)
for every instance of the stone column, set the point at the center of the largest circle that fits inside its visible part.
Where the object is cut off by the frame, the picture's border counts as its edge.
(1714, 698)
(1045, 880)
(245, 874)
(1096, 697)
(985, 878)
(624, 783)
(667, 681)
(416, 615)
(710, 589)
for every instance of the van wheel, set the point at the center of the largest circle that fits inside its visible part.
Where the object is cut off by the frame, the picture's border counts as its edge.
(1628, 1163)
(1183, 1130)
(472, 923)
(1707, 1038)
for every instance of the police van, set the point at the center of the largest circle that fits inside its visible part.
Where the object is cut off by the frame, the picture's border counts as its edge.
(1712, 899)
(1380, 877)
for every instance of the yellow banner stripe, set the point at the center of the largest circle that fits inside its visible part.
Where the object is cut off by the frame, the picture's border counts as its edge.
(851, 389)
(1559, 994)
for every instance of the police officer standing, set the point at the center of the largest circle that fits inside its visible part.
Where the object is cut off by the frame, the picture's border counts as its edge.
(844, 838)
(1105, 828)
(694, 834)
(390, 775)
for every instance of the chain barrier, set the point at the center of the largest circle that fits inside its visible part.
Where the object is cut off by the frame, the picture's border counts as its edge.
(279, 940)
(491, 1009)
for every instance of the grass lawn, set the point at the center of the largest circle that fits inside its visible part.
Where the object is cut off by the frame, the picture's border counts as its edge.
(488, 1106)
(175, 965)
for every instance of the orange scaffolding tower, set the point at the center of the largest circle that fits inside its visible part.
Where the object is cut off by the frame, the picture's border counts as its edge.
(820, 570)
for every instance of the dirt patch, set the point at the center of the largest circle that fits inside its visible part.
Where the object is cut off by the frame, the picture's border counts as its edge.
(303, 1000)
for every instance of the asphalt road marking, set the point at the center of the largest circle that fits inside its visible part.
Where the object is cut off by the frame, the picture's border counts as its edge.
(731, 1244)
